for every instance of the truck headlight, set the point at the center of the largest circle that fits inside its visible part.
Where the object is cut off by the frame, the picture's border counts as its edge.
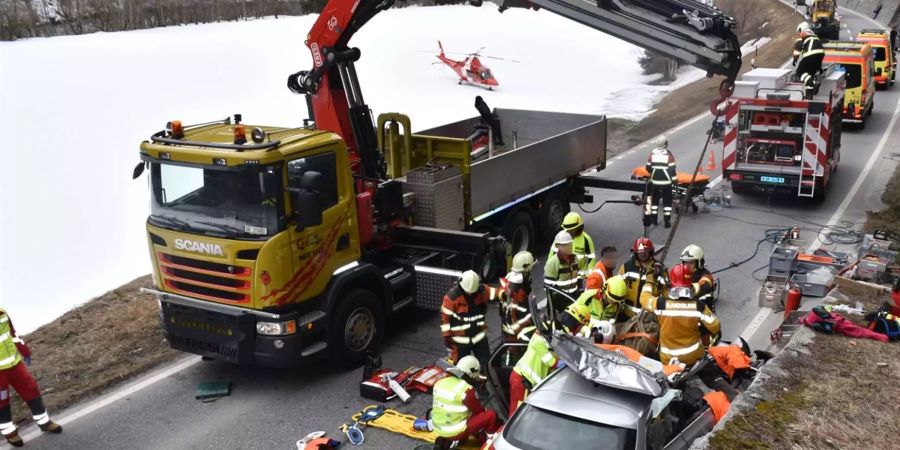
(276, 328)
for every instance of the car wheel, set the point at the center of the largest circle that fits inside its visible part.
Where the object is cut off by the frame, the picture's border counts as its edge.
(356, 328)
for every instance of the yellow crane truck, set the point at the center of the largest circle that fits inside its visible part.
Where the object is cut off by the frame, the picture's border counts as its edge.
(277, 246)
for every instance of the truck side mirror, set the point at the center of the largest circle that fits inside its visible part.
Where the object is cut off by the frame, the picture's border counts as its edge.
(307, 200)
(138, 170)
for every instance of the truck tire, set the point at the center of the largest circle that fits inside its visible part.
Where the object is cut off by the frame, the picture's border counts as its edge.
(552, 213)
(820, 194)
(519, 231)
(739, 188)
(356, 328)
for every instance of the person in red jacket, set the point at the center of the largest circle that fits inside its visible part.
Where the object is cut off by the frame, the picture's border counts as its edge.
(14, 356)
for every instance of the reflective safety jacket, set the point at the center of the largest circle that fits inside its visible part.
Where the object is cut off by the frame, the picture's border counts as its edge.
(599, 307)
(583, 249)
(562, 273)
(449, 412)
(514, 313)
(635, 274)
(679, 326)
(597, 277)
(12, 348)
(661, 167)
(462, 315)
(704, 285)
(811, 46)
(537, 361)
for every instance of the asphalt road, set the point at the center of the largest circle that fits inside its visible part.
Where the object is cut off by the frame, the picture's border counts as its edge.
(271, 409)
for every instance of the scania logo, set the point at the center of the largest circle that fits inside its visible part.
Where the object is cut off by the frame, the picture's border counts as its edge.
(199, 247)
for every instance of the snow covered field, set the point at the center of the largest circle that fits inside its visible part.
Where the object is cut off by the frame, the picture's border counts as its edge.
(74, 109)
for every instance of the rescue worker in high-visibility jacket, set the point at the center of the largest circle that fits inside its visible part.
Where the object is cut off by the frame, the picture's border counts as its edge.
(636, 271)
(14, 356)
(582, 244)
(661, 167)
(701, 278)
(456, 411)
(798, 42)
(561, 272)
(538, 361)
(809, 63)
(681, 319)
(605, 303)
(514, 313)
(463, 322)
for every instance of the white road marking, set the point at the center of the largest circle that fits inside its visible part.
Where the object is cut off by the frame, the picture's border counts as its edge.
(763, 313)
(81, 411)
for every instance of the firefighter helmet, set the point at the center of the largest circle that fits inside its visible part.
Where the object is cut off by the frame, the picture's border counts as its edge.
(562, 238)
(680, 286)
(662, 141)
(572, 221)
(693, 253)
(580, 312)
(523, 262)
(802, 26)
(615, 289)
(642, 244)
(469, 282)
(469, 365)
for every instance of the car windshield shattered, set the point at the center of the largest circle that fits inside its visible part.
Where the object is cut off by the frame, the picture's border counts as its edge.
(236, 202)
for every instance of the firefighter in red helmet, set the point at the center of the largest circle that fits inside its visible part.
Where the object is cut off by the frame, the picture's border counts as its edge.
(636, 271)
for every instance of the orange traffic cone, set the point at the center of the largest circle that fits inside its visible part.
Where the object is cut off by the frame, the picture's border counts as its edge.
(712, 161)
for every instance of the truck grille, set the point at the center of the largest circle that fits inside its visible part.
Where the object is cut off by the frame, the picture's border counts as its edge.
(206, 280)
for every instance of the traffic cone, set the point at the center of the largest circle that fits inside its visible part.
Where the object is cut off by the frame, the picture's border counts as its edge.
(712, 161)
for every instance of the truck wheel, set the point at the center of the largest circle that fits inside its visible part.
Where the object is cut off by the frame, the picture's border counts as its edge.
(519, 231)
(356, 328)
(739, 188)
(554, 210)
(820, 195)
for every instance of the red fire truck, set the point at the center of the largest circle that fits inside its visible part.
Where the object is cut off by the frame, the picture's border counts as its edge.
(779, 139)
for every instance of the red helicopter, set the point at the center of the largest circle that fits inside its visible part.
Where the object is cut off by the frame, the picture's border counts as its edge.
(471, 70)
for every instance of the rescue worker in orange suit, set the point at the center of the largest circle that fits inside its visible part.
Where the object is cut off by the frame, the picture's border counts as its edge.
(14, 356)
(463, 323)
(636, 271)
(604, 269)
(514, 312)
(701, 279)
(681, 319)
(539, 361)
(661, 167)
(456, 412)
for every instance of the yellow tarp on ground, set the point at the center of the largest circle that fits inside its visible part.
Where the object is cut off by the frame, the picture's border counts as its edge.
(397, 422)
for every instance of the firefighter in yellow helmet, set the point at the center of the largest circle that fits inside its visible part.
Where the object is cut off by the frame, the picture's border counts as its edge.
(605, 304)
(538, 361)
(582, 244)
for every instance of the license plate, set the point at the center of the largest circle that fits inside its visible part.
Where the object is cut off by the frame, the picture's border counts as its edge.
(772, 179)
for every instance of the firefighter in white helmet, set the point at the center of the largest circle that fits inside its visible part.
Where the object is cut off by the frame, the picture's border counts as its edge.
(582, 245)
(561, 272)
(456, 412)
(463, 322)
(514, 312)
(661, 167)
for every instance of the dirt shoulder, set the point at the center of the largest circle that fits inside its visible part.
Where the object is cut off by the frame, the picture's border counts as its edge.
(116, 336)
(827, 393)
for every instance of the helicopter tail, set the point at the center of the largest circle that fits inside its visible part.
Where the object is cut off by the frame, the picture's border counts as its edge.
(441, 47)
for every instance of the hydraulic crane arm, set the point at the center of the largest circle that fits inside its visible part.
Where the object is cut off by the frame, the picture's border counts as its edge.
(684, 29)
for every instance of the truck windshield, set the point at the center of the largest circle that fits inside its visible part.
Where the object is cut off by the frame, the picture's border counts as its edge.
(536, 429)
(854, 75)
(243, 202)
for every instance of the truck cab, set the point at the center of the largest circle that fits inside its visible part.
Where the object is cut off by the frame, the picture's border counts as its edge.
(885, 62)
(857, 61)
